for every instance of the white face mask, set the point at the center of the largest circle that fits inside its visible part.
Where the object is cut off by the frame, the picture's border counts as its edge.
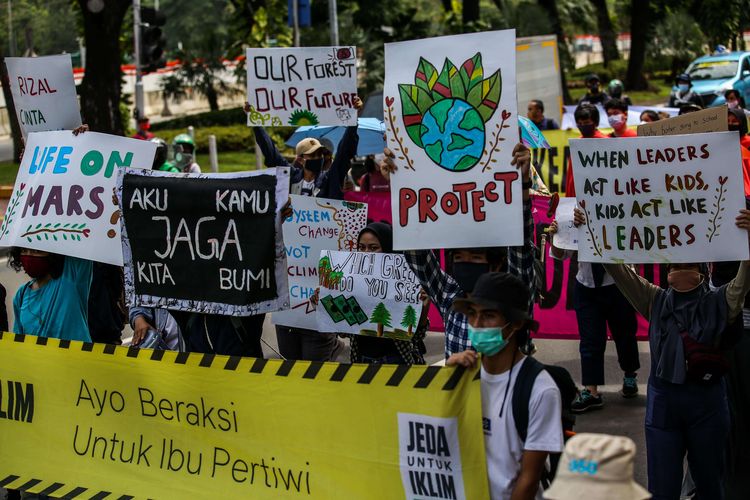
(732, 104)
(616, 121)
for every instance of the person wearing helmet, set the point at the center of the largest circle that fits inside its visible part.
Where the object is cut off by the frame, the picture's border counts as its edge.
(682, 93)
(595, 94)
(183, 155)
(616, 88)
(162, 152)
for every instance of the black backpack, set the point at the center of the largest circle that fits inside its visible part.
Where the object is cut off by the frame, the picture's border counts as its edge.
(530, 369)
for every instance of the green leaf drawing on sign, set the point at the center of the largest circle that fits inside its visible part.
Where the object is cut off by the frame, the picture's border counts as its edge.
(426, 75)
(485, 97)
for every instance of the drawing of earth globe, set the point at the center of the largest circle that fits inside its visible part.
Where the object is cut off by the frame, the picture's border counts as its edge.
(453, 134)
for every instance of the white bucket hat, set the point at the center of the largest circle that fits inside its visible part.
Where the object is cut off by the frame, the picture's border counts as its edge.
(596, 467)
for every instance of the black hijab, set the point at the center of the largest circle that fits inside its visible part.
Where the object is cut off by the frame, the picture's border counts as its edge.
(384, 233)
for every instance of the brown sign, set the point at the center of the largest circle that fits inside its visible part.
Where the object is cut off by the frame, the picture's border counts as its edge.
(707, 120)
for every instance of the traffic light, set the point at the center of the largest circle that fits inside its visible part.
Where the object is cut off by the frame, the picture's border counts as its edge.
(152, 39)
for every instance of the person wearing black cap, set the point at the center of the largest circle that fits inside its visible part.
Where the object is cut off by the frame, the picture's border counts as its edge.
(499, 325)
(684, 94)
(595, 94)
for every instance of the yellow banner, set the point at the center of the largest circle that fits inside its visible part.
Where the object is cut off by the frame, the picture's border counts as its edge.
(94, 421)
(552, 164)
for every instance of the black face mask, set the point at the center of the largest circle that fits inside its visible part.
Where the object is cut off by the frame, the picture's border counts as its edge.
(587, 130)
(314, 166)
(466, 274)
(595, 89)
(733, 128)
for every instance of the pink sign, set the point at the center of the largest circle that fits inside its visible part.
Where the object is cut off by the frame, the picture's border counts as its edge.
(554, 311)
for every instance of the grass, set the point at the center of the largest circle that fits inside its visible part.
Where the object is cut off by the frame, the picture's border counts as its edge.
(230, 161)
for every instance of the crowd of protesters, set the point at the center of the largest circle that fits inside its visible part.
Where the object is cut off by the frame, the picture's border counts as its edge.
(485, 297)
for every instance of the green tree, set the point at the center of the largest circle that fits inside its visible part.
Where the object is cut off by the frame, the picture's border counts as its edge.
(409, 320)
(381, 317)
(201, 42)
(607, 34)
(679, 37)
(101, 86)
(641, 19)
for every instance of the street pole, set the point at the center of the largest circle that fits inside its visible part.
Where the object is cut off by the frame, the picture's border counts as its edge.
(295, 22)
(333, 19)
(139, 111)
(11, 45)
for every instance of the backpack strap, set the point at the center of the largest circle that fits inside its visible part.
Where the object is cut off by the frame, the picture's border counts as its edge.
(522, 394)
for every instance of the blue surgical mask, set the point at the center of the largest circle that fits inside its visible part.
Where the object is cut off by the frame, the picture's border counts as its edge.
(488, 341)
(684, 87)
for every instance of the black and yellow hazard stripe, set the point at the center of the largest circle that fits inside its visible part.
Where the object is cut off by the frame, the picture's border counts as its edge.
(415, 376)
(56, 490)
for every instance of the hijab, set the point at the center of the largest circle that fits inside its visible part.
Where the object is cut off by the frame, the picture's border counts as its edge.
(384, 233)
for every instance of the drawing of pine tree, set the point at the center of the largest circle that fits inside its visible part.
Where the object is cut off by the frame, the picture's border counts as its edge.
(409, 320)
(381, 317)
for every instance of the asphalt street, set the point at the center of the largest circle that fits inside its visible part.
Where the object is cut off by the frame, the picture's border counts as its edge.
(619, 416)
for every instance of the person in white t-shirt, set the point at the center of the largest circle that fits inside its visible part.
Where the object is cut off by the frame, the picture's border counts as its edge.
(498, 326)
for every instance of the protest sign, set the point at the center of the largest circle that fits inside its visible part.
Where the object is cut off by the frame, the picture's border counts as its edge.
(44, 93)
(555, 309)
(302, 86)
(121, 422)
(63, 198)
(660, 199)
(206, 243)
(316, 224)
(706, 120)
(567, 234)
(450, 113)
(373, 294)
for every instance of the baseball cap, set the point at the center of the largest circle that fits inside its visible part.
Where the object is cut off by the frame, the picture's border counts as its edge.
(596, 467)
(307, 146)
(503, 292)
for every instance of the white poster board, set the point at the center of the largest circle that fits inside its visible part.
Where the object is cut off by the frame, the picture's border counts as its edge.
(302, 86)
(373, 294)
(660, 199)
(566, 237)
(450, 115)
(316, 224)
(44, 93)
(63, 200)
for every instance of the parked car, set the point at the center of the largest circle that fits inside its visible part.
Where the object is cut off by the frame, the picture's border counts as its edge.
(715, 74)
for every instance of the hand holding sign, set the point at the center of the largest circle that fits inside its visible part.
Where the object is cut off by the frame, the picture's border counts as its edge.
(660, 199)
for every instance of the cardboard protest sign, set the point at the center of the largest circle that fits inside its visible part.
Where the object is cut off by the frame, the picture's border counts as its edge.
(207, 243)
(707, 120)
(567, 234)
(316, 224)
(302, 86)
(450, 113)
(373, 294)
(660, 199)
(63, 200)
(44, 93)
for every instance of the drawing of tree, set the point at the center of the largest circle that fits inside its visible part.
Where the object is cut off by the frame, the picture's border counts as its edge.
(381, 317)
(409, 320)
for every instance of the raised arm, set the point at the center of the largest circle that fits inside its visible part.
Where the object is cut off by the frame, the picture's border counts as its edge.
(521, 259)
(736, 291)
(638, 290)
(332, 180)
(270, 153)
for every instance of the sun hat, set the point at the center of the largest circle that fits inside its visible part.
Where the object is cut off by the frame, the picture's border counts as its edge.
(596, 467)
